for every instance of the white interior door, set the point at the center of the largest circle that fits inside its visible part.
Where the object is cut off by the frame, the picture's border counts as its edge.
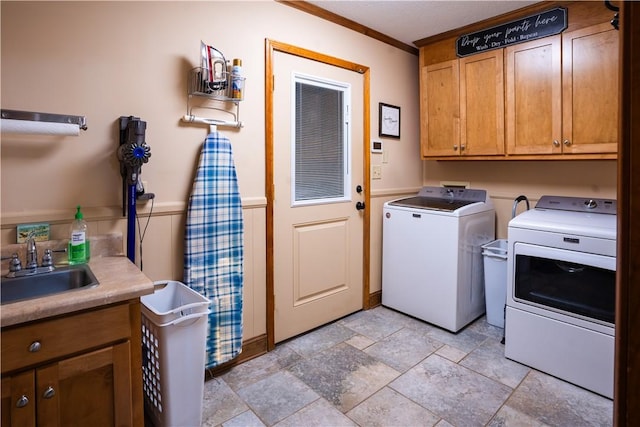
(318, 180)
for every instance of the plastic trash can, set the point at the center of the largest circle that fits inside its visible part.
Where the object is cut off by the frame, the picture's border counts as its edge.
(174, 329)
(495, 280)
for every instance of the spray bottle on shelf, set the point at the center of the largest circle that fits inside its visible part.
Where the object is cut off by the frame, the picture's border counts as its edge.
(237, 82)
(79, 252)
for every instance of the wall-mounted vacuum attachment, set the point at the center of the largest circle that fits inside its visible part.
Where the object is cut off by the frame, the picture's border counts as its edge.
(133, 152)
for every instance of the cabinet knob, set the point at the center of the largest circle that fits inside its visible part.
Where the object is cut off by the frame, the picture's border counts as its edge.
(455, 147)
(462, 147)
(35, 347)
(49, 393)
(22, 402)
(556, 143)
(566, 142)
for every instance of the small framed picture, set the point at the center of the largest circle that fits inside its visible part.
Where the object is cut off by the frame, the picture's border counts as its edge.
(388, 120)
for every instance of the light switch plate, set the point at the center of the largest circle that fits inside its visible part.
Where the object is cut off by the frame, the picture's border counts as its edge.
(376, 172)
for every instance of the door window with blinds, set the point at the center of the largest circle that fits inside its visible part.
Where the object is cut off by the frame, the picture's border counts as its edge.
(320, 141)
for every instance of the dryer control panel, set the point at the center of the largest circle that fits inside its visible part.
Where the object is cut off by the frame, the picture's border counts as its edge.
(578, 204)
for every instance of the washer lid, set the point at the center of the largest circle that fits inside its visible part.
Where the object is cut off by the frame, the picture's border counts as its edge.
(430, 203)
(442, 198)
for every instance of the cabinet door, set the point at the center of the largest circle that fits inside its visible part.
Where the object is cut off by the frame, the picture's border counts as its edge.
(590, 90)
(482, 104)
(533, 97)
(18, 400)
(92, 389)
(440, 109)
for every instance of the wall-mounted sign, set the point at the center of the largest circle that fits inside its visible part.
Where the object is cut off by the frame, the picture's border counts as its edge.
(532, 27)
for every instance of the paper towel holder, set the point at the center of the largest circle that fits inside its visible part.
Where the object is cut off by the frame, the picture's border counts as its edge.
(80, 121)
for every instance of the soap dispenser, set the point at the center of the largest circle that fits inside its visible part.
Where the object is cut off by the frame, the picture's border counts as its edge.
(79, 252)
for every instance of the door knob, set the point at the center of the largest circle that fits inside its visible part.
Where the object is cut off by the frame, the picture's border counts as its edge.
(360, 206)
(359, 189)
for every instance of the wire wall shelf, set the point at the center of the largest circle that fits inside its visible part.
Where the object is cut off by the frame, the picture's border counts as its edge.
(227, 88)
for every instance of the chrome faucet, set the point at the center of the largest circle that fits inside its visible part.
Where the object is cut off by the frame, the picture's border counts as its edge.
(31, 265)
(32, 253)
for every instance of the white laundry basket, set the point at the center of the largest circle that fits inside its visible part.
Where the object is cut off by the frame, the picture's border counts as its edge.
(174, 329)
(495, 280)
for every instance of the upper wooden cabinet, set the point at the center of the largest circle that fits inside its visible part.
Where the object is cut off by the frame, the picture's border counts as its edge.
(440, 109)
(590, 92)
(534, 97)
(482, 104)
(550, 98)
(463, 106)
(562, 93)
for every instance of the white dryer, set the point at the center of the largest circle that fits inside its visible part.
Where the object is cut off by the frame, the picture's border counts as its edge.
(432, 266)
(561, 290)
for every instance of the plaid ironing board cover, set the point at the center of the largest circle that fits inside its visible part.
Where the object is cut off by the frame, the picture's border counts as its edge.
(213, 257)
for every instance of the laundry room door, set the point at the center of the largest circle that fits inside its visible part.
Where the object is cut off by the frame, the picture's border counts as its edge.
(318, 181)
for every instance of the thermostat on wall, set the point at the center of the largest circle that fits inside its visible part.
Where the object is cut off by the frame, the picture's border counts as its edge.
(376, 146)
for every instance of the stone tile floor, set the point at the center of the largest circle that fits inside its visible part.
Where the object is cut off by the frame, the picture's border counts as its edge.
(382, 368)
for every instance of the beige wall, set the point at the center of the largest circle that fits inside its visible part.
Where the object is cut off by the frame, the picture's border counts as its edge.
(110, 59)
(506, 180)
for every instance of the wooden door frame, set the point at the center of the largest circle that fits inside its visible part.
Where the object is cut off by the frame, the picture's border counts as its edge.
(271, 47)
(627, 365)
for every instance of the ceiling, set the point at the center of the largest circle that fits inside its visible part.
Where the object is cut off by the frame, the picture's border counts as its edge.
(409, 21)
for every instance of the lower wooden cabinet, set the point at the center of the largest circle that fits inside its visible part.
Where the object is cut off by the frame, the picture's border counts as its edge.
(18, 399)
(99, 386)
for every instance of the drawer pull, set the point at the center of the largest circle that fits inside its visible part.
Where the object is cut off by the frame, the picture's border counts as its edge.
(22, 402)
(49, 393)
(35, 347)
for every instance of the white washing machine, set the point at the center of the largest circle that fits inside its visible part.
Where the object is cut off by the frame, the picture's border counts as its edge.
(432, 266)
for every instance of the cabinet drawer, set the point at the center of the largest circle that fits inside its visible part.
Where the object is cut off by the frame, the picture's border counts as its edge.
(63, 336)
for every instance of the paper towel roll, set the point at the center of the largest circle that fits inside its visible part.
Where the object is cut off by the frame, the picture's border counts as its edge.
(38, 128)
